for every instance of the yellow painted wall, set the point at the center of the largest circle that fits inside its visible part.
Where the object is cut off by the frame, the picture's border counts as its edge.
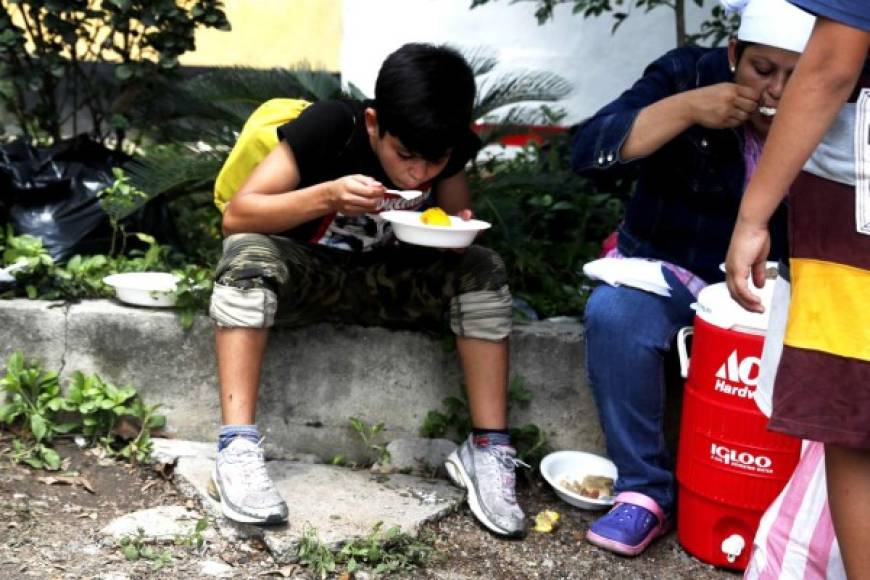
(273, 33)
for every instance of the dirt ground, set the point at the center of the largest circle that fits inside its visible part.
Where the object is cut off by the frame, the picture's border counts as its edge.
(49, 530)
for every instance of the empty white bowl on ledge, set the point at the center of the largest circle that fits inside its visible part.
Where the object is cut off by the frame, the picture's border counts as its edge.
(155, 289)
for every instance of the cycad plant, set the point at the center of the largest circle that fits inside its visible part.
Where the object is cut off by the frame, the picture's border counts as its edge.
(200, 121)
(512, 101)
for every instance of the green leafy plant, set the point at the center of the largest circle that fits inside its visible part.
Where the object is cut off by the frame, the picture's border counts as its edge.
(312, 552)
(34, 402)
(100, 404)
(193, 292)
(103, 405)
(37, 410)
(383, 551)
(27, 252)
(369, 433)
(386, 551)
(136, 548)
(548, 222)
(119, 201)
(53, 55)
(454, 422)
(138, 450)
(716, 28)
(35, 454)
(195, 540)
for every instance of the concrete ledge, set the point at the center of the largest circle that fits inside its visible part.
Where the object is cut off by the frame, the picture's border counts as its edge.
(313, 380)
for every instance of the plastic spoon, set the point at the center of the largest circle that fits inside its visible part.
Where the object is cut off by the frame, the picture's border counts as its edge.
(407, 194)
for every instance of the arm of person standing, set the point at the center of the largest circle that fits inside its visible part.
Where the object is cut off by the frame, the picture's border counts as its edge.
(824, 78)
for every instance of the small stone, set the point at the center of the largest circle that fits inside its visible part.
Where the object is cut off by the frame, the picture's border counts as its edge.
(216, 569)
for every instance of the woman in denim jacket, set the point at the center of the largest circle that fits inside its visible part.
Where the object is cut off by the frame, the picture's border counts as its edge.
(689, 131)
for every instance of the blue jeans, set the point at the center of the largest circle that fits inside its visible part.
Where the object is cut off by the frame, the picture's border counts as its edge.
(628, 334)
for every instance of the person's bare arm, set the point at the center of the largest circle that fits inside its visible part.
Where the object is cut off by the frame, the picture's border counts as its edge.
(717, 107)
(821, 83)
(825, 76)
(268, 201)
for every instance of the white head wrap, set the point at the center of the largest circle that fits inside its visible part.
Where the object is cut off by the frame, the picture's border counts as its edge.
(772, 22)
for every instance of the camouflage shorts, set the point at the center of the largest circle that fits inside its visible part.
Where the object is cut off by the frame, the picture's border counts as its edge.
(263, 280)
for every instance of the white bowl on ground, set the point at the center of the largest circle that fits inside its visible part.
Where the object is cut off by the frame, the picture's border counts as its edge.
(575, 465)
(154, 289)
(408, 228)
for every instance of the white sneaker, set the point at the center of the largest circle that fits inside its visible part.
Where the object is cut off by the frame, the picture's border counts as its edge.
(488, 473)
(243, 486)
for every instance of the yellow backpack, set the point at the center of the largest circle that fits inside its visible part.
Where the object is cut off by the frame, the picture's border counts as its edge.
(257, 139)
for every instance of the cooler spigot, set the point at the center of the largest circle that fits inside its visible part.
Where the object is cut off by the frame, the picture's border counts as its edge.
(732, 546)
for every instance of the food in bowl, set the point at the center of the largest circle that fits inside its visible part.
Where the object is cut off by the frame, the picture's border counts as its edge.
(591, 486)
(435, 216)
(409, 228)
(569, 467)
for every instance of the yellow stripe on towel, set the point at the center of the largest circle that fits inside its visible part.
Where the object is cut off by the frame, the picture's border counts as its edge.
(830, 308)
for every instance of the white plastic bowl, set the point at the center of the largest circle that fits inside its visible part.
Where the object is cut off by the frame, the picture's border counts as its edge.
(408, 228)
(144, 288)
(576, 465)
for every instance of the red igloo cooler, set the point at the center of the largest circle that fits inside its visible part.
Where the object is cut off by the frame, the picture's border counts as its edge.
(729, 466)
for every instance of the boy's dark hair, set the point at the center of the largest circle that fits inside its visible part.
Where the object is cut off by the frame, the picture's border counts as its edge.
(424, 96)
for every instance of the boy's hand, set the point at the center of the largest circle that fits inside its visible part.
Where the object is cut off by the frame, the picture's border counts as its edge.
(464, 214)
(355, 195)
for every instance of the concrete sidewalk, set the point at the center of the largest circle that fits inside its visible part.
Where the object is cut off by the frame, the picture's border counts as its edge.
(336, 503)
(314, 379)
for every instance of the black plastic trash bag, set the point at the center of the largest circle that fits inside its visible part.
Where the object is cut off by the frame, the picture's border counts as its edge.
(51, 193)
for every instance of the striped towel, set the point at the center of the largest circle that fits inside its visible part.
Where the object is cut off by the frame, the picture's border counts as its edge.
(795, 539)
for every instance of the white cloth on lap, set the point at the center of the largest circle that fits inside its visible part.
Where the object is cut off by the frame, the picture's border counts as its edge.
(637, 273)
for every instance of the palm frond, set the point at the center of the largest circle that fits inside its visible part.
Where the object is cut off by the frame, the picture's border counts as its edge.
(212, 105)
(174, 170)
(518, 87)
(481, 60)
(518, 119)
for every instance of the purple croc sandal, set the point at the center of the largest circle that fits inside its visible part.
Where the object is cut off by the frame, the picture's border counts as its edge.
(633, 522)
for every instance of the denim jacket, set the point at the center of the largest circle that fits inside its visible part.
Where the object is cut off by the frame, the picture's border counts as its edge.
(688, 192)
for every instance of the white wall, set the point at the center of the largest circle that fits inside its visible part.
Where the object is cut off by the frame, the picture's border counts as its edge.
(598, 64)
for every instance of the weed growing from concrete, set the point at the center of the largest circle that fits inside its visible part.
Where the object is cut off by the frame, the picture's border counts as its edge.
(195, 540)
(135, 548)
(369, 435)
(382, 551)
